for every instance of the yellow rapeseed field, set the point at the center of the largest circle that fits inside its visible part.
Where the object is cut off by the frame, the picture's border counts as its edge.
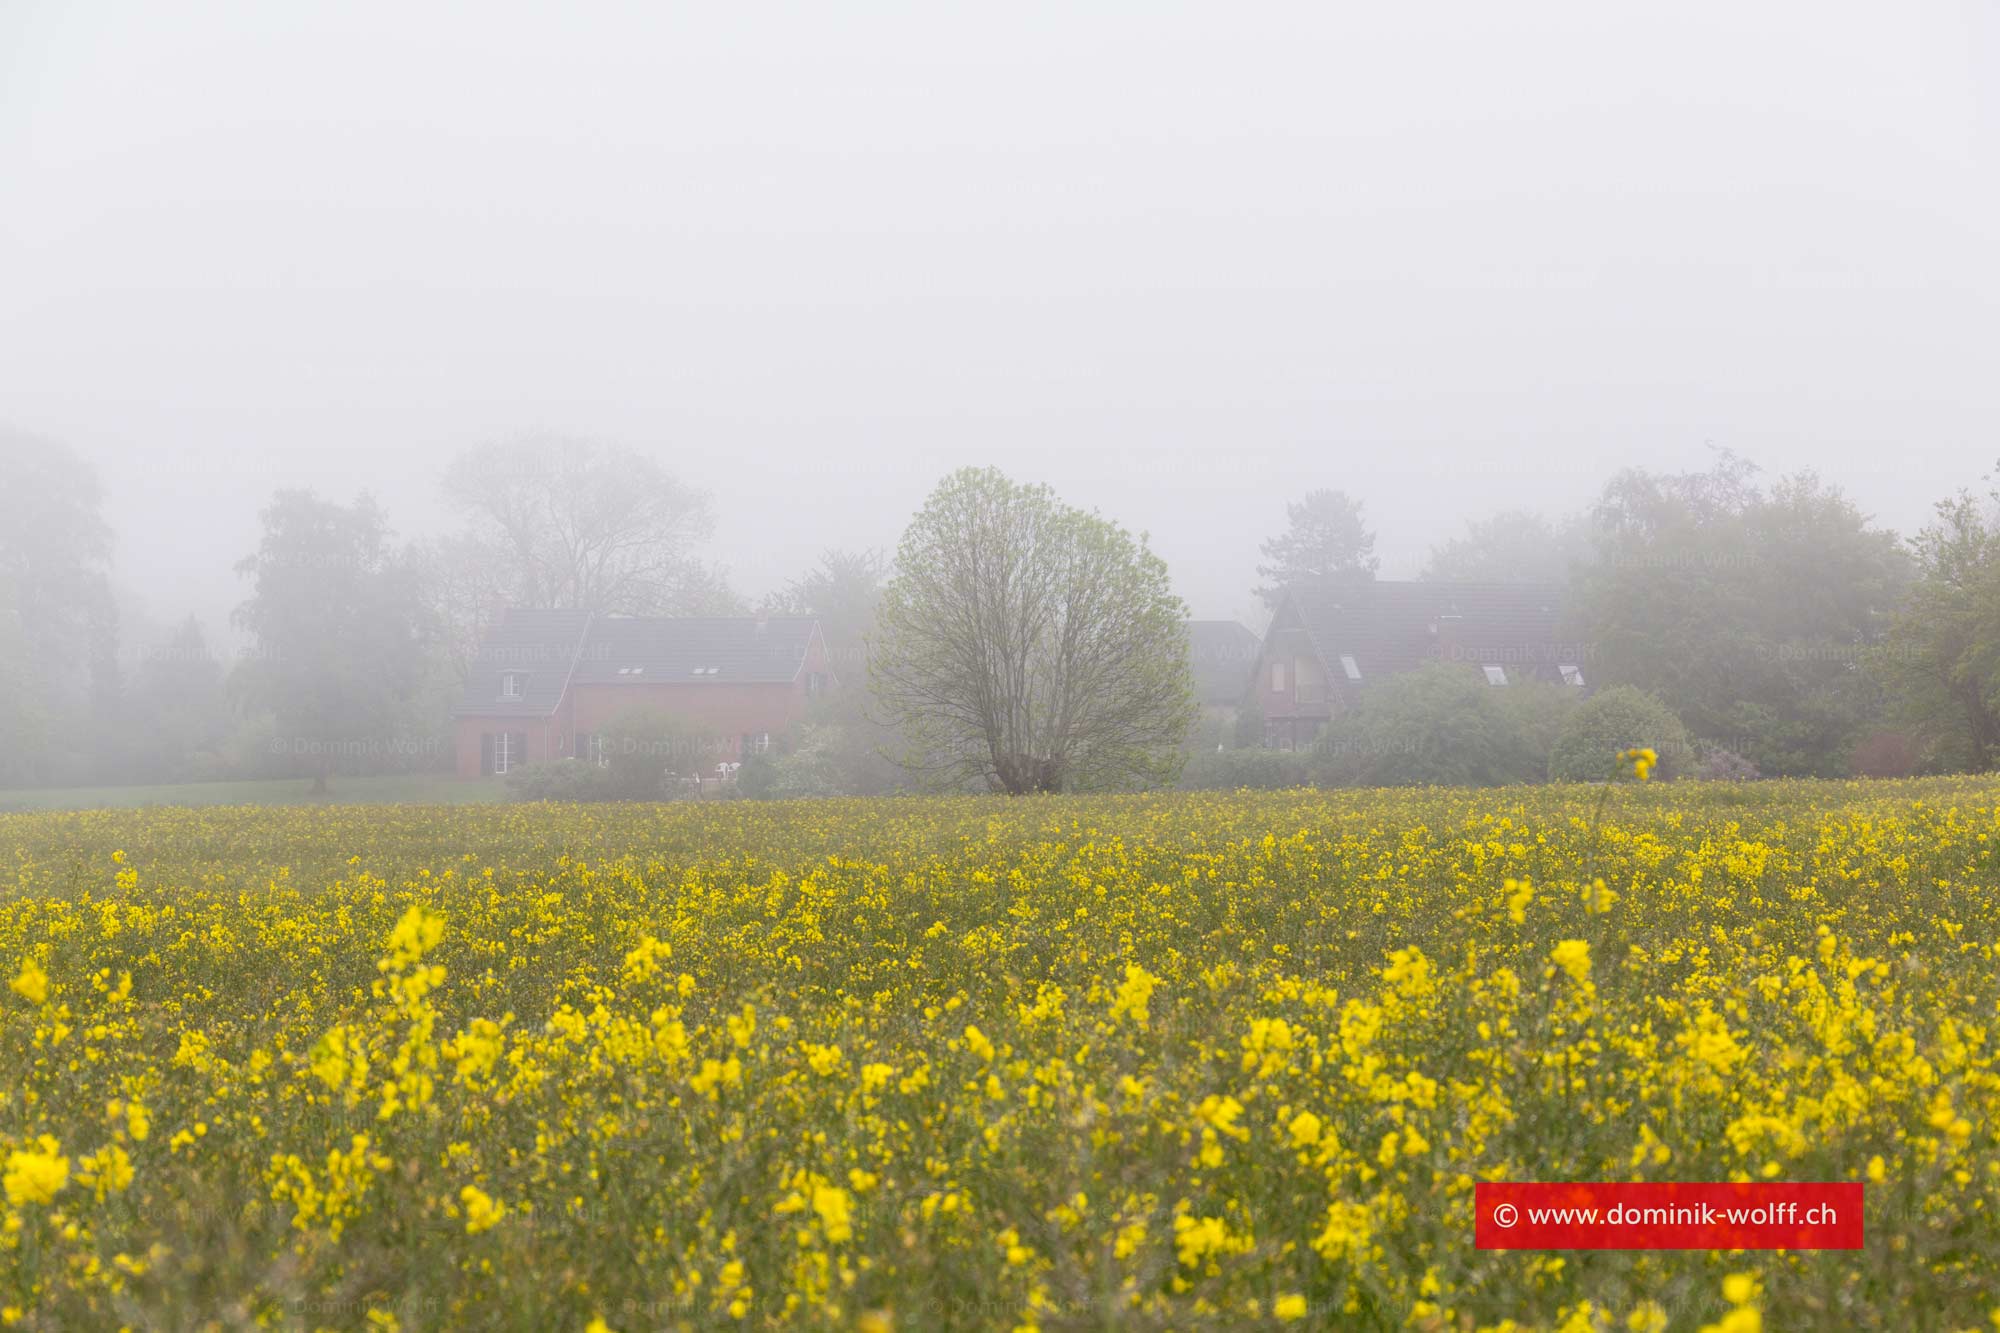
(1187, 1061)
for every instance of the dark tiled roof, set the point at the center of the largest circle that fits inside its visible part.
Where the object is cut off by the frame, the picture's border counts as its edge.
(740, 650)
(541, 647)
(1389, 627)
(1224, 654)
(550, 650)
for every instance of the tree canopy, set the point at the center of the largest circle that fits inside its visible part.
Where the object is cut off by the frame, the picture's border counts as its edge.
(1942, 654)
(1325, 538)
(339, 629)
(1031, 646)
(581, 525)
(1749, 613)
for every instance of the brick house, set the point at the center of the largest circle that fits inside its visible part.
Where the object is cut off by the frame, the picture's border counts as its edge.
(1328, 642)
(547, 684)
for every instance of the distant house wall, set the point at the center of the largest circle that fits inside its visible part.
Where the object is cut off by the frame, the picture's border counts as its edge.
(727, 711)
(546, 737)
(1292, 687)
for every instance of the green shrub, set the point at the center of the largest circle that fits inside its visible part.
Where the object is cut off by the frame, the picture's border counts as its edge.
(561, 780)
(1617, 719)
(1441, 725)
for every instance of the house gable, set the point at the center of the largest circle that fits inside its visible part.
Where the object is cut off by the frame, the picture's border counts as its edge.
(1328, 642)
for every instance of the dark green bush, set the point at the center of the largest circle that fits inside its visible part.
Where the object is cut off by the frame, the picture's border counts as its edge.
(1619, 718)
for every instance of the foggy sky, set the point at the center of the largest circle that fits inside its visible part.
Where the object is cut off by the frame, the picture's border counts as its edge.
(1182, 262)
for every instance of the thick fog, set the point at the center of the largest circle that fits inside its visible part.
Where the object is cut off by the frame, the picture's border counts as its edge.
(1181, 262)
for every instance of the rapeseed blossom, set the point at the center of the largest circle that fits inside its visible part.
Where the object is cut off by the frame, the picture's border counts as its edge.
(1135, 1061)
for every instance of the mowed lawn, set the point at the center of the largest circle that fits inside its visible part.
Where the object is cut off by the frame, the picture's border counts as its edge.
(395, 788)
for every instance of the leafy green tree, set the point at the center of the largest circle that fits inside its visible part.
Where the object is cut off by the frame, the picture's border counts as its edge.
(1030, 646)
(1750, 614)
(1613, 720)
(1325, 539)
(339, 626)
(1941, 658)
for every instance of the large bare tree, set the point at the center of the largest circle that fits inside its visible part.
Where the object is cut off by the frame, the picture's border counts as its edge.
(578, 524)
(1031, 646)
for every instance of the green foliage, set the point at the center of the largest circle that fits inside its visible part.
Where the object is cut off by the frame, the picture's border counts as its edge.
(1030, 646)
(816, 765)
(1249, 727)
(561, 780)
(1442, 725)
(1325, 538)
(1252, 769)
(1942, 654)
(1616, 719)
(650, 754)
(339, 625)
(1749, 614)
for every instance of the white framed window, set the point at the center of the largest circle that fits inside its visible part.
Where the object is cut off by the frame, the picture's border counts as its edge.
(1350, 666)
(593, 749)
(1495, 673)
(760, 742)
(1571, 672)
(1278, 677)
(504, 756)
(511, 683)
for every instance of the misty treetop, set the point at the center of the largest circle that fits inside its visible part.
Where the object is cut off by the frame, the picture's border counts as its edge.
(1028, 645)
(1326, 538)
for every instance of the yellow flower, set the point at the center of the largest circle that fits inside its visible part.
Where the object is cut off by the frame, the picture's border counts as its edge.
(107, 1171)
(1289, 1308)
(32, 984)
(1134, 993)
(416, 934)
(36, 1175)
(1647, 1317)
(481, 1212)
(1642, 760)
(1573, 957)
(835, 1212)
